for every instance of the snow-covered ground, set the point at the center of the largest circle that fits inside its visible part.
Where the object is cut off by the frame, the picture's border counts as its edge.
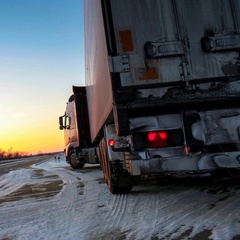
(52, 201)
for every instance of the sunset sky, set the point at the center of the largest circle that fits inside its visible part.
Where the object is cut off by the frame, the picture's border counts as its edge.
(41, 57)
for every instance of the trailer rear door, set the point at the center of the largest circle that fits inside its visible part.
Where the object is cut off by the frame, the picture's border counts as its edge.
(179, 40)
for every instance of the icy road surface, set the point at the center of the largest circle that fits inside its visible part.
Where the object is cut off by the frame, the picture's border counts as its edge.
(52, 201)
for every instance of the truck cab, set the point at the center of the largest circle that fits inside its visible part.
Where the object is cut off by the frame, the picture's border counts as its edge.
(75, 124)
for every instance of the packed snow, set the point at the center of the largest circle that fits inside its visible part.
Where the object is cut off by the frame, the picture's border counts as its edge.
(53, 201)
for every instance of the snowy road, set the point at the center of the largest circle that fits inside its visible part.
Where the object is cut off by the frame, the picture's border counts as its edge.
(52, 201)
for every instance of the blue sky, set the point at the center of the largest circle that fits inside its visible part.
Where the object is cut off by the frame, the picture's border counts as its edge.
(41, 57)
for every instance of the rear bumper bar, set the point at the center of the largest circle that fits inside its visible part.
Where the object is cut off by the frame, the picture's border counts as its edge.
(193, 163)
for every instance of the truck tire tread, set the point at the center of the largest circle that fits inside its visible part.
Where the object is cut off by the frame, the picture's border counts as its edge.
(74, 162)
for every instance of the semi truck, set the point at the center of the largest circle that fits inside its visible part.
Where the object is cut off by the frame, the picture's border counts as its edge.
(161, 93)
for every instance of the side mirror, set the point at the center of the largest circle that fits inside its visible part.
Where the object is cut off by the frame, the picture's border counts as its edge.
(61, 123)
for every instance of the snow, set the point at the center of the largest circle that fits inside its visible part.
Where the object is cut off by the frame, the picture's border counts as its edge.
(53, 201)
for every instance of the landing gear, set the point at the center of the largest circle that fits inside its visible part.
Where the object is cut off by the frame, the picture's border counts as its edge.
(117, 178)
(74, 161)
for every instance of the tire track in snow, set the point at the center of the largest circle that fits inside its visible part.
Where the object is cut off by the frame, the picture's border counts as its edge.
(86, 210)
(119, 205)
(173, 211)
(188, 211)
(55, 217)
(145, 210)
(76, 207)
(123, 216)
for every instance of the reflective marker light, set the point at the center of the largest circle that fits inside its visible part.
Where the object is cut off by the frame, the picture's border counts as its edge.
(111, 142)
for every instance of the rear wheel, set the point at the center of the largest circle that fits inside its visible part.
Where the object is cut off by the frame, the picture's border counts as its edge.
(74, 161)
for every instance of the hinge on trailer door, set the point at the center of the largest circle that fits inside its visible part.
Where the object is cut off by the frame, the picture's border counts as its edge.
(119, 63)
(185, 75)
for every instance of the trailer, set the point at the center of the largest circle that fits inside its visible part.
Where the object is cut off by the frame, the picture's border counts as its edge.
(162, 92)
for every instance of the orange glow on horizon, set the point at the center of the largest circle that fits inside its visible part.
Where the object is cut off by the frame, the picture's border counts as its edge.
(32, 138)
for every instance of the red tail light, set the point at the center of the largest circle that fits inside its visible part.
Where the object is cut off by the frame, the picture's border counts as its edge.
(163, 135)
(152, 136)
(158, 139)
(111, 142)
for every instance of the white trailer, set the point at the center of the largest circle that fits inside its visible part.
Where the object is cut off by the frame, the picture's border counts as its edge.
(163, 87)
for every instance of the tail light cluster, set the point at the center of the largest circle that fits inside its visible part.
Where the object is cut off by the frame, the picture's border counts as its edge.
(158, 139)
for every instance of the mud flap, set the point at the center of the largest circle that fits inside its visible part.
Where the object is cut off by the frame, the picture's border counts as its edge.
(121, 180)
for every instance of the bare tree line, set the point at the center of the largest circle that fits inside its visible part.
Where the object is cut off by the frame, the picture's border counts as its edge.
(10, 154)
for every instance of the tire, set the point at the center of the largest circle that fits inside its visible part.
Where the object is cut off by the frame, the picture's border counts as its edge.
(118, 179)
(74, 161)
